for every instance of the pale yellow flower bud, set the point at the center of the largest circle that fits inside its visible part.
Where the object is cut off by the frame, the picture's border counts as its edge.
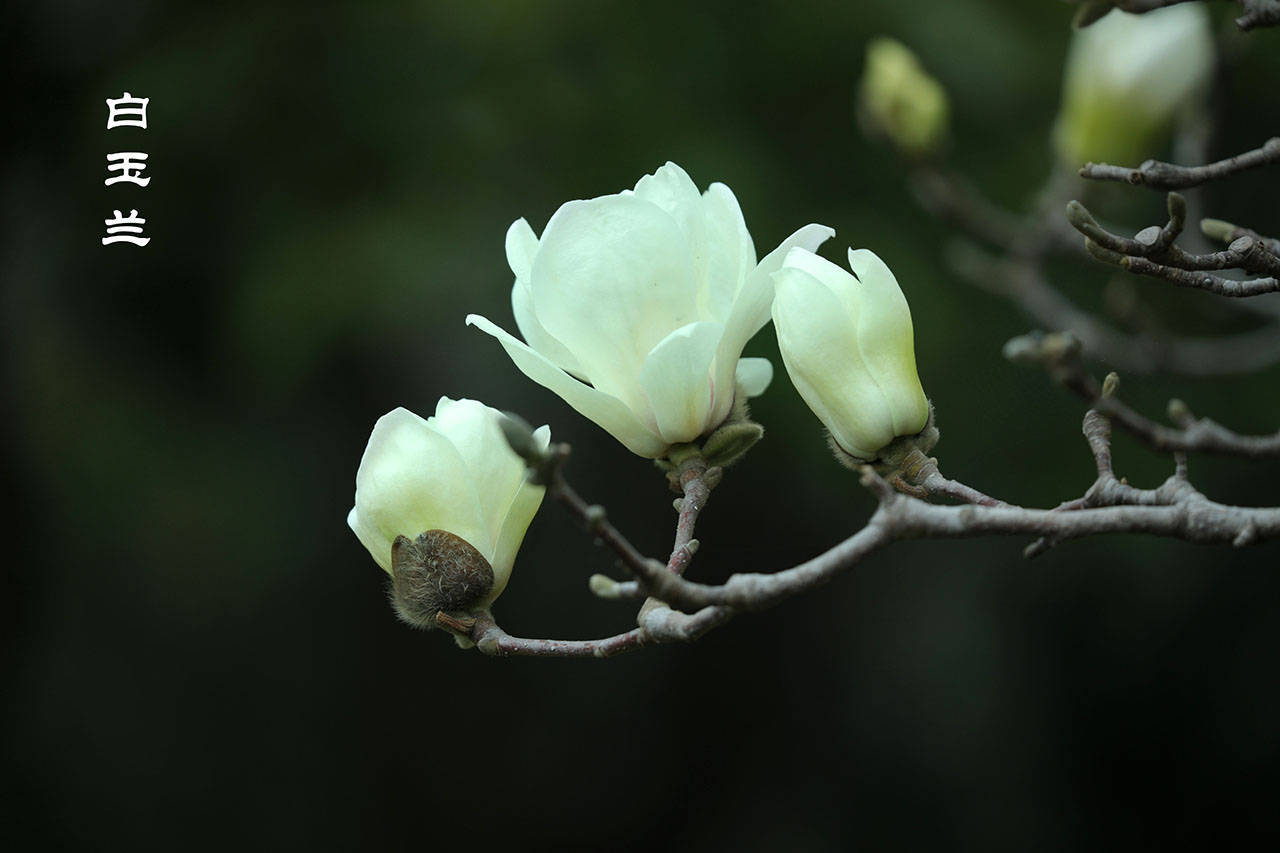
(1127, 80)
(445, 496)
(846, 341)
(899, 100)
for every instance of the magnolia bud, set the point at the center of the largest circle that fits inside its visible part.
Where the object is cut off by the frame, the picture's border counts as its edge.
(898, 99)
(846, 341)
(1127, 79)
(451, 482)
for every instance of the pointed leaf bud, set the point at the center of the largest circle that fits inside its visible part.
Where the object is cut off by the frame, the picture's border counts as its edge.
(728, 444)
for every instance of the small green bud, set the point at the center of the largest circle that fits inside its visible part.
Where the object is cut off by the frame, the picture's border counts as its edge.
(1218, 229)
(1111, 384)
(603, 586)
(519, 435)
(728, 443)
(899, 100)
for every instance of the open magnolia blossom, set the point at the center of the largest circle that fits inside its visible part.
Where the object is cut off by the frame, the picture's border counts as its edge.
(635, 307)
(1127, 78)
(846, 341)
(451, 472)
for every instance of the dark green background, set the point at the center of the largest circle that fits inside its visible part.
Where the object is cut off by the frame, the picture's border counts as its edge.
(198, 652)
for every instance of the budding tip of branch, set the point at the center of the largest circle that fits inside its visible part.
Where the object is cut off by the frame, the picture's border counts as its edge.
(594, 516)
(519, 435)
(1111, 384)
(1077, 213)
(1247, 535)
(713, 475)
(1036, 548)
(1217, 229)
(603, 586)
(1179, 412)
(692, 546)
(677, 504)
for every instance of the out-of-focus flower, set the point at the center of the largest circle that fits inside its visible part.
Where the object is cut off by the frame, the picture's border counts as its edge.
(1127, 79)
(899, 100)
(435, 494)
(636, 306)
(846, 341)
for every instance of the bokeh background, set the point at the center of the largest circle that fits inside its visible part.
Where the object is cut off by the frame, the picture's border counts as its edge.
(198, 654)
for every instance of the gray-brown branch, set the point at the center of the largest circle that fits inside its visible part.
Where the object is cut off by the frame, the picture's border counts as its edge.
(656, 622)
(1174, 510)
(1159, 175)
(1023, 281)
(1059, 354)
(1152, 252)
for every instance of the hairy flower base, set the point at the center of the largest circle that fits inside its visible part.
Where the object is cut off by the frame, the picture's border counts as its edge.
(434, 572)
(894, 456)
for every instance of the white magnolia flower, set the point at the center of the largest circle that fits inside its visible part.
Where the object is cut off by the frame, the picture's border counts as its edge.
(847, 344)
(636, 306)
(453, 471)
(1127, 78)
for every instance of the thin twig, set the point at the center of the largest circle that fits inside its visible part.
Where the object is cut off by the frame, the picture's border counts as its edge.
(1152, 252)
(657, 622)
(1159, 175)
(1197, 435)
(1024, 282)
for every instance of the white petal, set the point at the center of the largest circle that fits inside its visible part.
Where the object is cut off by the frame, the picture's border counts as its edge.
(609, 412)
(495, 470)
(751, 310)
(671, 189)
(412, 479)
(886, 342)
(754, 375)
(613, 277)
(835, 278)
(522, 246)
(821, 356)
(732, 253)
(524, 505)
(676, 378)
(539, 338)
